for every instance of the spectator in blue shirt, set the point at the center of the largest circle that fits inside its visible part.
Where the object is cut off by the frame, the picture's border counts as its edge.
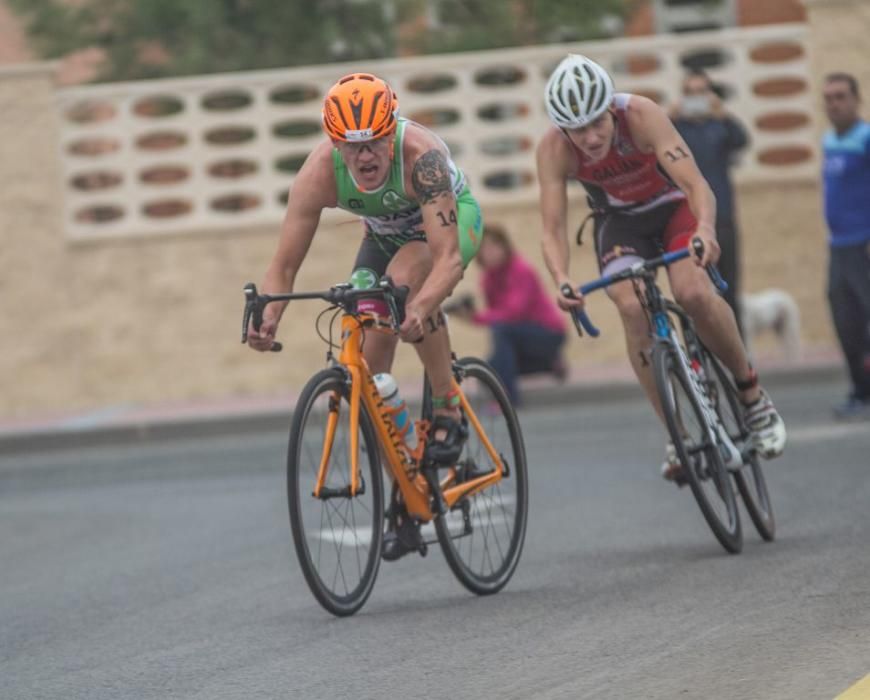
(846, 173)
(714, 137)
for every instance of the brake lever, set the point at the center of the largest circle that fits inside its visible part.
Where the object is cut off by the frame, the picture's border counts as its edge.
(395, 298)
(254, 313)
(713, 272)
(579, 316)
(250, 290)
(568, 291)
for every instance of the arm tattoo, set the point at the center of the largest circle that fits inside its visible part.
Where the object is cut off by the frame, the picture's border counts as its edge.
(675, 154)
(431, 176)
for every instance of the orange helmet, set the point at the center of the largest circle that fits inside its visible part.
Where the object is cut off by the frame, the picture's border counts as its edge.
(360, 107)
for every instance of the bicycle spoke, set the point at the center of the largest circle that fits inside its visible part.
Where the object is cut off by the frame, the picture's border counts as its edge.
(337, 552)
(359, 567)
(490, 528)
(484, 557)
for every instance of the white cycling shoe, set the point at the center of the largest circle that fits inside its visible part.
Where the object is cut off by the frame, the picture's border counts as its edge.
(672, 470)
(766, 426)
(768, 437)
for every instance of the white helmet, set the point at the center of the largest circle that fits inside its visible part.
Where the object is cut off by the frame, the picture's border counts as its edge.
(578, 92)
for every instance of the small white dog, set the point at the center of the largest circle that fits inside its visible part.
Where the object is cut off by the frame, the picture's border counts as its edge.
(776, 310)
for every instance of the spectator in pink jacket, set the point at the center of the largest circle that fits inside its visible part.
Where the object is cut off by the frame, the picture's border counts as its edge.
(528, 329)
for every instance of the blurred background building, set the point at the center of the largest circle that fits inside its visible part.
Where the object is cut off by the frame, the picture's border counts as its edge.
(133, 212)
(666, 16)
(412, 25)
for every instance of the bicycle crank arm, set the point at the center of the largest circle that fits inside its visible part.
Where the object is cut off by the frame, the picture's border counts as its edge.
(430, 473)
(732, 457)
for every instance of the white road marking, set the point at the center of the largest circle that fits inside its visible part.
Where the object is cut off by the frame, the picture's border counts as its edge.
(811, 433)
(361, 536)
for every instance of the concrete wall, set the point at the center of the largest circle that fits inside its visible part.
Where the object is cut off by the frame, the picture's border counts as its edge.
(839, 40)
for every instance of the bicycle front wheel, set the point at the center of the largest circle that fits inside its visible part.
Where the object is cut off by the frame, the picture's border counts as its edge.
(702, 464)
(482, 536)
(750, 479)
(338, 536)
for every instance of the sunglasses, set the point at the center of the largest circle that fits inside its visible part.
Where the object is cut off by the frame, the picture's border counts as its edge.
(375, 145)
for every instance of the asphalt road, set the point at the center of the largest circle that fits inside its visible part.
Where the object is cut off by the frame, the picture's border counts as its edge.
(167, 571)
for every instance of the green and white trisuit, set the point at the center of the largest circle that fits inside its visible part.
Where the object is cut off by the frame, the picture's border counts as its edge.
(392, 217)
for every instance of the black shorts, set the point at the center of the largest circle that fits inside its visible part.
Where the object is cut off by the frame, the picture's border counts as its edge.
(375, 254)
(622, 239)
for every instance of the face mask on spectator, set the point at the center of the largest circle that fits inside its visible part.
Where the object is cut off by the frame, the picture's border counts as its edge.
(696, 105)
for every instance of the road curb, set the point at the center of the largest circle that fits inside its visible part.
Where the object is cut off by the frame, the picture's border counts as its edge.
(628, 388)
(164, 428)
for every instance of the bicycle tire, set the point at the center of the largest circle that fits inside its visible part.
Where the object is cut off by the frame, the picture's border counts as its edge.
(501, 506)
(750, 480)
(303, 459)
(701, 461)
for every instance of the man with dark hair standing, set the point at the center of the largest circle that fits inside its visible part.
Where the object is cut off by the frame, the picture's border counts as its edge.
(847, 211)
(714, 136)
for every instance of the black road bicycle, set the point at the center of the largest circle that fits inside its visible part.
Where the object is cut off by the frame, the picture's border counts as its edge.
(701, 406)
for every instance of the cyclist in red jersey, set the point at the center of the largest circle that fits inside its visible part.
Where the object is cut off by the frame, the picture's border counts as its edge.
(648, 196)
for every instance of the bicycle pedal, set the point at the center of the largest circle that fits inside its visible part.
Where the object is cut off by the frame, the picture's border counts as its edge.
(403, 538)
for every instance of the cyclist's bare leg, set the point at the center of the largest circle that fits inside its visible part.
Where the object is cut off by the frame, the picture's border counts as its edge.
(410, 266)
(379, 350)
(637, 338)
(714, 320)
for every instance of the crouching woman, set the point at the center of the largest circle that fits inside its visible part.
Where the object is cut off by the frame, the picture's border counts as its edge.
(528, 329)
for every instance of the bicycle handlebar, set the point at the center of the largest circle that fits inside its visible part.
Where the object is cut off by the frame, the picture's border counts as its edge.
(343, 295)
(581, 318)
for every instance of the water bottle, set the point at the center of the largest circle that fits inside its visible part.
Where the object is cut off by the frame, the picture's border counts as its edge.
(389, 391)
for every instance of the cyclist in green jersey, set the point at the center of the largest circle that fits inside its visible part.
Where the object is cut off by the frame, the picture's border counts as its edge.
(422, 227)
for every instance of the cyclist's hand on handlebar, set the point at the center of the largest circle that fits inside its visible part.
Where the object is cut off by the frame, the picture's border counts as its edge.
(263, 339)
(411, 330)
(711, 248)
(566, 303)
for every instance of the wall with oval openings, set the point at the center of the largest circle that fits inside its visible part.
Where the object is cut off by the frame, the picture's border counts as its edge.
(430, 83)
(782, 116)
(232, 168)
(215, 151)
(227, 101)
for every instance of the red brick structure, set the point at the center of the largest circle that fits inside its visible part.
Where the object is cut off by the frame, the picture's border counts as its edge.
(749, 13)
(78, 67)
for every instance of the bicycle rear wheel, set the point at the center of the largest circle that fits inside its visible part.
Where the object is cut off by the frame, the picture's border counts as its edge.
(750, 479)
(482, 536)
(338, 537)
(702, 464)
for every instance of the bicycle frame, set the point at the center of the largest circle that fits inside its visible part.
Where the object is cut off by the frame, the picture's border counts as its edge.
(401, 462)
(664, 332)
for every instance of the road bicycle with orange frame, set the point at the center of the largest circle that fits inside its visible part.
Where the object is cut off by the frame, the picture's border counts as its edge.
(341, 432)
